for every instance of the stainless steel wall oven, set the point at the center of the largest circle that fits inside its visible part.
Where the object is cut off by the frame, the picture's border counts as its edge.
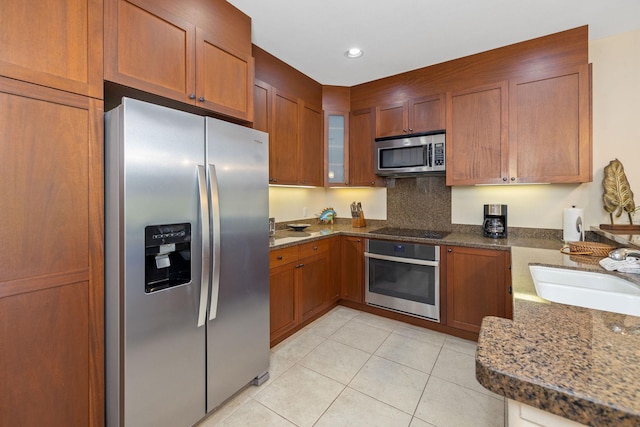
(403, 277)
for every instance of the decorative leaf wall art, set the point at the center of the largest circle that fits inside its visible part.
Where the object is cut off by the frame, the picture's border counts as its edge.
(618, 196)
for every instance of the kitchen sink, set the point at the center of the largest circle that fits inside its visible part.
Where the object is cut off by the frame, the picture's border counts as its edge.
(586, 289)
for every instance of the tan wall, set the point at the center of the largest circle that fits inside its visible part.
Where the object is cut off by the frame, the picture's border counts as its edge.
(616, 134)
(287, 203)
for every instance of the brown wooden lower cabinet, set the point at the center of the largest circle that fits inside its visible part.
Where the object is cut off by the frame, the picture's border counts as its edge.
(308, 279)
(52, 274)
(300, 281)
(478, 284)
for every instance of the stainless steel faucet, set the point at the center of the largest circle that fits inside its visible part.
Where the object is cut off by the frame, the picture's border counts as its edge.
(621, 254)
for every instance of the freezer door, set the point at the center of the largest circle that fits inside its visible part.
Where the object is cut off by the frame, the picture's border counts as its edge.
(238, 326)
(155, 349)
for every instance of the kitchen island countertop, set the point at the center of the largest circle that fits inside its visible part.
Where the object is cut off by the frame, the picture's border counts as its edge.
(578, 363)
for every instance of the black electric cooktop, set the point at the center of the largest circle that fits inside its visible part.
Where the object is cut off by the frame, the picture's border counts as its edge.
(411, 232)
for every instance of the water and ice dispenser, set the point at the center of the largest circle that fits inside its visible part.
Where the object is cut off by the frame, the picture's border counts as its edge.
(167, 256)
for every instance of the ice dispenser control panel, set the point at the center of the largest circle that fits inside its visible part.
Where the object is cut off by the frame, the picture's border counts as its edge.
(167, 256)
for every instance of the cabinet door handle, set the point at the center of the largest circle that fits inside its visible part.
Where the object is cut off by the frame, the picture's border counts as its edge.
(504, 178)
(358, 240)
(373, 183)
(315, 248)
(449, 250)
(280, 258)
(201, 99)
(513, 178)
(192, 96)
(410, 130)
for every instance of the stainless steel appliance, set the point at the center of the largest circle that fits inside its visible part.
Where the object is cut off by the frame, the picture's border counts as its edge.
(495, 221)
(403, 277)
(187, 291)
(422, 153)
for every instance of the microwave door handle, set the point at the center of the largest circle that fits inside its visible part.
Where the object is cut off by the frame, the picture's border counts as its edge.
(206, 244)
(430, 155)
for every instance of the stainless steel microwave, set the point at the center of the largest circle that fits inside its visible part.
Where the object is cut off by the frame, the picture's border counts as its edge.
(411, 154)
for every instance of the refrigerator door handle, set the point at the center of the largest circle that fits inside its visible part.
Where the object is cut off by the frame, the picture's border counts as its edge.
(215, 211)
(206, 244)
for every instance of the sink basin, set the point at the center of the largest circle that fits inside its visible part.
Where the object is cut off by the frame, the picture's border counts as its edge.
(586, 289)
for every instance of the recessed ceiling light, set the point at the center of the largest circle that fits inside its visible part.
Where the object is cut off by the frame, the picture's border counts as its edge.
(354, 52)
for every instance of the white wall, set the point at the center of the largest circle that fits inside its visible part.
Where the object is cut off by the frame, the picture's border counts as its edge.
(616, 134)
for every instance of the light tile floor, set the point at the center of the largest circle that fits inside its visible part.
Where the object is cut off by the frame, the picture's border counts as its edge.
(351, 368)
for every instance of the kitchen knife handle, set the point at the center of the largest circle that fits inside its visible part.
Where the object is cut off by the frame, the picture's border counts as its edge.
(215, 211)
(206, 254)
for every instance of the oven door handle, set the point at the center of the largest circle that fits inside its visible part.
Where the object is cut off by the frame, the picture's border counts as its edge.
(404, 260)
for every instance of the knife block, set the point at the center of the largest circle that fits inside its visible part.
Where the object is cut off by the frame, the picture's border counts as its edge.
(358, 221)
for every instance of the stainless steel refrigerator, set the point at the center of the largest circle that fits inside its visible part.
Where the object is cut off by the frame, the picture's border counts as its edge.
(187, 280)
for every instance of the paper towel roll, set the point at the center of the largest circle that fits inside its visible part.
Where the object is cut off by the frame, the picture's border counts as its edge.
(573, 225)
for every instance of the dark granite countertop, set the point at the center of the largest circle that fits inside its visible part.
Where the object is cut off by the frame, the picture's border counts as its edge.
(574, 362)
(286, 237)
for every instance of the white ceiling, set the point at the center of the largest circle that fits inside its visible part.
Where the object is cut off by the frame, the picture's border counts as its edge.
(402, 35)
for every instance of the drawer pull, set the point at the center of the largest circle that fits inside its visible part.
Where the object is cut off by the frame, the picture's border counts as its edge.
(280, 258)
(315, 248)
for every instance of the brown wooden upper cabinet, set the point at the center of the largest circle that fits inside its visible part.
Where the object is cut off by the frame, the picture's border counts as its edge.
(477, 139)
(361, 149)
(527, 130)
(550, 127)
(147, 47)
(55, 44)
(416, 115)
(296, 150)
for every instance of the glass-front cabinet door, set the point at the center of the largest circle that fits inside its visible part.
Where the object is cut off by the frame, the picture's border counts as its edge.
(337, 149)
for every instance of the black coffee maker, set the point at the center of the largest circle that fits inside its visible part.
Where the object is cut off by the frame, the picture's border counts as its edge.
(495, 221)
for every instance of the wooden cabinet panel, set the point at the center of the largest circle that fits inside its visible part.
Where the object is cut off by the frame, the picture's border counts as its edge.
(311, 168)
(335, 269)
(224, 77)
(52, 278)
(549, 127)
(352, 268)
(261, 106)
(478, 283)
(282, 297)
(427, 114)
(56, 44)
(283, 141)
(313, 280)
(477, 143)
(45, 357)
(283, 256)
(149, 49)
(361, 149)
(391, 120)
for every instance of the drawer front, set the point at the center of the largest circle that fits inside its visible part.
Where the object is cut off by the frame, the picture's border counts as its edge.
(313, 248)
(283, 256)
